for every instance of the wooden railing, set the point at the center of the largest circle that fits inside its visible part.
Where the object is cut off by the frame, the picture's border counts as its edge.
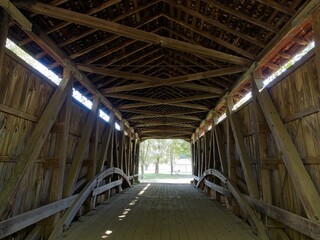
(72, 204)
(247, 204)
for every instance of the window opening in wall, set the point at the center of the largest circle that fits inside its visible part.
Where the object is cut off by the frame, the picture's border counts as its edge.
(54, 78)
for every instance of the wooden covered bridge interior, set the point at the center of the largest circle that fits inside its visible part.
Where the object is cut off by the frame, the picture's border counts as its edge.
(160, 69)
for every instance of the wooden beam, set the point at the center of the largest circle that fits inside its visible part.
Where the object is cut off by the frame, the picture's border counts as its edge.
(165, 132)
(212, 37)
(162, 101)
(19, 222)
(316, 31)
(170, 81)
(16, 112)
(175, 81)
(305, 188)
(91, 31)
(103, 6)
(218, 188)
(221, 149)
(108, 133)
(142, 56)
(242, 15)
(61, 148)
(184, 105)
(166, 114)
(118, 74)
(243, 154)
(129, 32)
(182, 116)
(294, 221)
(4, 26)
(160, 135)
(35, 143)
(81, 150)
(213, 22)
(278, 6)
(16, 15)
(202, 88)
(160, 125)
(106, 187)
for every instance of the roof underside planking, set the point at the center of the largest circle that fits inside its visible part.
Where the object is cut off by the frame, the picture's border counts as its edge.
(162, 64)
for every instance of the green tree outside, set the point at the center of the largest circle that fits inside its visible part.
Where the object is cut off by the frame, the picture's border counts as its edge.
(157, 151)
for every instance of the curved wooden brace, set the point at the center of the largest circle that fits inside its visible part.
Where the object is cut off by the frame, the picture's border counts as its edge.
(68, 216)
(254, 221)
(211, 172)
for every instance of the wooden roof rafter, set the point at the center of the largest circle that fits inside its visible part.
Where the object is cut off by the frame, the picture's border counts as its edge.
(196, 14)
(170, 81)
(213, 38)
(121, 30)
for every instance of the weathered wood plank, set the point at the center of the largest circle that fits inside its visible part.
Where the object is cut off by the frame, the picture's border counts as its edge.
(105, 143)
(244, 158)
(316, 30)
(4, 26)
(221, 149)
(106, 187)
(17, 113)
(23, 220)
(218, 188)
(78, 158)
(294, 221)
(58, 173)
(308, 196)
(35, 143)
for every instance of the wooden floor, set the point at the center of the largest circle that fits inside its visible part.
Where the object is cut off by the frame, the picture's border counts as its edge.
(159, 211)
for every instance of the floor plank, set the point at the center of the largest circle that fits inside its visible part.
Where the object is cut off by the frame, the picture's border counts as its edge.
(159, 211)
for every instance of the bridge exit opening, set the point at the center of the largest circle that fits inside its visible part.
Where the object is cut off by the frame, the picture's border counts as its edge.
(165, 160)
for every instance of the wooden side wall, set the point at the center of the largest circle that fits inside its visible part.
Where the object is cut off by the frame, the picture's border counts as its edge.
(24, 95)
(296, 98)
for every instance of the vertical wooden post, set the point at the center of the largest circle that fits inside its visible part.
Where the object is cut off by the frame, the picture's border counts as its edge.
(206, 149)
(81, 150)
(232, 174)
(220, 146)
(93, 151)
(130, 150)
(106, 140)
(261, 154)
(244, 158)
(4, 25)
(60, 154)
(192, 157)
(136, 158)
(198, 151)
(92, 162)
(316, 34)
